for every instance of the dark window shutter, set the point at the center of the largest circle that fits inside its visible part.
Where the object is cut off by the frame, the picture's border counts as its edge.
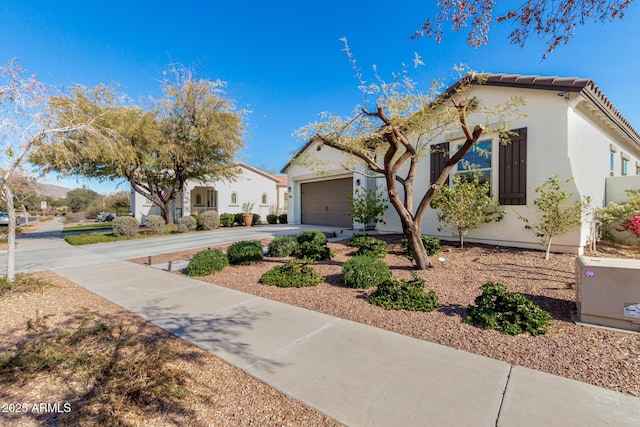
(439, 156)
(512, 169)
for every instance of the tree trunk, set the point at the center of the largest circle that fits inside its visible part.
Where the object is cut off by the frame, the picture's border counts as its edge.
(412, 233)
(546, 255)
(11, 233)
(165, 208)
(461, 238)
(25, 215)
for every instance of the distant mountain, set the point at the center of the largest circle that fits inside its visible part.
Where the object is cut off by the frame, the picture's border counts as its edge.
(53, 191)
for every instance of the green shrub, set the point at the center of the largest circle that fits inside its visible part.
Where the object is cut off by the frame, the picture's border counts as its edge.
(226, 219)
(154, 224)
(238, 219)
(125, 226)
(272, 219)
(369, 246)
(245, 252)
(199, 226)
(206, 262)
(365, 272)
(404, 295)
(282, 219)
(313, 245)
(93, 212)
(431, 245)
(293, 274)
(187, 223)
(283, 246)
(255, 219)
(508, 312)
(210, 220)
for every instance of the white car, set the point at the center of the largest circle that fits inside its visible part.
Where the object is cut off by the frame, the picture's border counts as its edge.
(4, 219)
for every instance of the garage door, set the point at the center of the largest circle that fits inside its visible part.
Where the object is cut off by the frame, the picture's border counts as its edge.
(327, 202)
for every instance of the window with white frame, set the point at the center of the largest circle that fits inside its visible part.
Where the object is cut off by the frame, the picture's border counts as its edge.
(234, 198)
(612, 159)
(264, 199)
(478, 161)
(624, 166)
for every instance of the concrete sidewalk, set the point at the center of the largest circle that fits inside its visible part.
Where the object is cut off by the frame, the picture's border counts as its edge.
(356, 374)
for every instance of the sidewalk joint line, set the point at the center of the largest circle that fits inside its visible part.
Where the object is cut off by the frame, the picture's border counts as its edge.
(504, 391)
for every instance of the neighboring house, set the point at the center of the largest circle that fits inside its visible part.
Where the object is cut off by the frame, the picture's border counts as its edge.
(251, 186)
(571, 129)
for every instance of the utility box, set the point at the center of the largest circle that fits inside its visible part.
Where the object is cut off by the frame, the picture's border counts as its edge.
(608, 292)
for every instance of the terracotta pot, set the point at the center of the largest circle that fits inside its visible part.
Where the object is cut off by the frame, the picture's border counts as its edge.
(248, 219)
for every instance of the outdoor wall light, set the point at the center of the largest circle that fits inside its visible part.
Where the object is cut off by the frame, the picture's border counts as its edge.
(357, 183)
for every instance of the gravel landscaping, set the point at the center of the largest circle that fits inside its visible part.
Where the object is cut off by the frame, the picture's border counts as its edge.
(606, 358)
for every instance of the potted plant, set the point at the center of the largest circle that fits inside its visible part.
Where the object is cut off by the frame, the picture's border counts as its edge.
(247, 216)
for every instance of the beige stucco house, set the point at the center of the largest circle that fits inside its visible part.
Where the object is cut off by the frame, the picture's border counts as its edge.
(266, 191)
(569, 128)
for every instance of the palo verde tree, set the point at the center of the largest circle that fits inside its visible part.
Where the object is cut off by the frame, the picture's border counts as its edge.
(393, 132)
(466, 205)
(553, 21)
(556, 215)
(192, 132)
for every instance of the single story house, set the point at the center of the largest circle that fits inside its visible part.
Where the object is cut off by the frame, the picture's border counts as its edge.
(266, 191)
(568, 128)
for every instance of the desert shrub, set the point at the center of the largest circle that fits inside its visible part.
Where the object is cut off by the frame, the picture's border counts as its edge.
(226, 219)
(508, 312)
(313, 245)
(404, 295)
(93, 212)
(283, 246)
(245, 252)
(154, 224)
(210, 220)
(272, 219)
(365, 272)
(238, 219)
(293, 274)
(255, 219)
(187, 223)
(70, 217)
(206, 262)
(431, 245)
(125, 226)
(369, 246)
(282, 219)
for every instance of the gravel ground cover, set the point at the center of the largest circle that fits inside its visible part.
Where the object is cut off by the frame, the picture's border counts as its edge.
(606, 358)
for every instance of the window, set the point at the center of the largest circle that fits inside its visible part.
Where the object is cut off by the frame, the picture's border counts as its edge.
(234, 198)
(612, 162)
(264, 198)
(477, 161)
(198, 199)
(624, 166)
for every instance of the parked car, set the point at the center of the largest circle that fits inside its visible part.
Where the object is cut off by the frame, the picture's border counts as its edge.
(4, 219)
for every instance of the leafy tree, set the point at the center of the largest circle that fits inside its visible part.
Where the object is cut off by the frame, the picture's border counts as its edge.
(556, 216)
(554, 21)
(79, 199)
(193, 132)
(368, 206)
(391, 134)
(119, 202)
(465, 206)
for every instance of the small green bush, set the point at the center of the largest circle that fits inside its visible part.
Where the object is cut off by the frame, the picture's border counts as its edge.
(283, 246)
(293, 274)
(282, 219)
(313, 245)
(245, 252)
(404, 295)
(226, 219)
(210, 220)
(255, 219)
(206, 262)
(187, 223)
(272, 219)
(238, 219)
(369, 246)
(365, 272)
(431, 245)
(508, 312)
(125, 226)
(154, 224)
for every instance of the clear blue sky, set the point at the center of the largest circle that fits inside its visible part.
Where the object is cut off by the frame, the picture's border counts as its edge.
(283, 60)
